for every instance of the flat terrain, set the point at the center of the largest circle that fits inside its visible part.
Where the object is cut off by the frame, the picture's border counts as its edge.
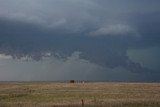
(48, 94)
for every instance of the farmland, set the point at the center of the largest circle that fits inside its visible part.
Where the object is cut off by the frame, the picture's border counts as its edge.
(102, 94)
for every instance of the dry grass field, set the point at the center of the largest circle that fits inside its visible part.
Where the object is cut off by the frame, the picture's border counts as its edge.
(48, 94)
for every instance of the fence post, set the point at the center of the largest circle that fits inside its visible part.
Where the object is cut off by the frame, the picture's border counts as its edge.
(82, 103)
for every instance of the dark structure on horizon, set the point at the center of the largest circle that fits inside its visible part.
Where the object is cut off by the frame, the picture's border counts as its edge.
(72, 81)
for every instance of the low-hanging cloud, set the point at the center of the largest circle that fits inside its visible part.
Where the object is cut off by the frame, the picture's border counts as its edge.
(57, 69)
(49, 68)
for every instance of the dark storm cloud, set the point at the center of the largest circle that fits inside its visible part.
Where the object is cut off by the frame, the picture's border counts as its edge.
(148, 26)
(108, 51)
(102, 31)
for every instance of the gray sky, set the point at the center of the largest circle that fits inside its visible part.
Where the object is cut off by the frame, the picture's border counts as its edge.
(80, 39)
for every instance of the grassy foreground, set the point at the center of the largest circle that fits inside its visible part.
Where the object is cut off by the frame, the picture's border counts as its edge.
(70, 95)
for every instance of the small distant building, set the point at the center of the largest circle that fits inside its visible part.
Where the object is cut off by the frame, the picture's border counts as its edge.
(72, 81)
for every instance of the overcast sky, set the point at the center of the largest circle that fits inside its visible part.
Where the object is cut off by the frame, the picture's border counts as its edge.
(98, 40)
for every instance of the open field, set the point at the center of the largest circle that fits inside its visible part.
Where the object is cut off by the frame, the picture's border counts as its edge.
(48, 94)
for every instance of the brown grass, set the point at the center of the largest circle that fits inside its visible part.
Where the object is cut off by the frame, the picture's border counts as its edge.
(70, 95)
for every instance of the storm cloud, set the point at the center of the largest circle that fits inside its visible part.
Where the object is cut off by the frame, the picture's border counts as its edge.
(99, 33)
